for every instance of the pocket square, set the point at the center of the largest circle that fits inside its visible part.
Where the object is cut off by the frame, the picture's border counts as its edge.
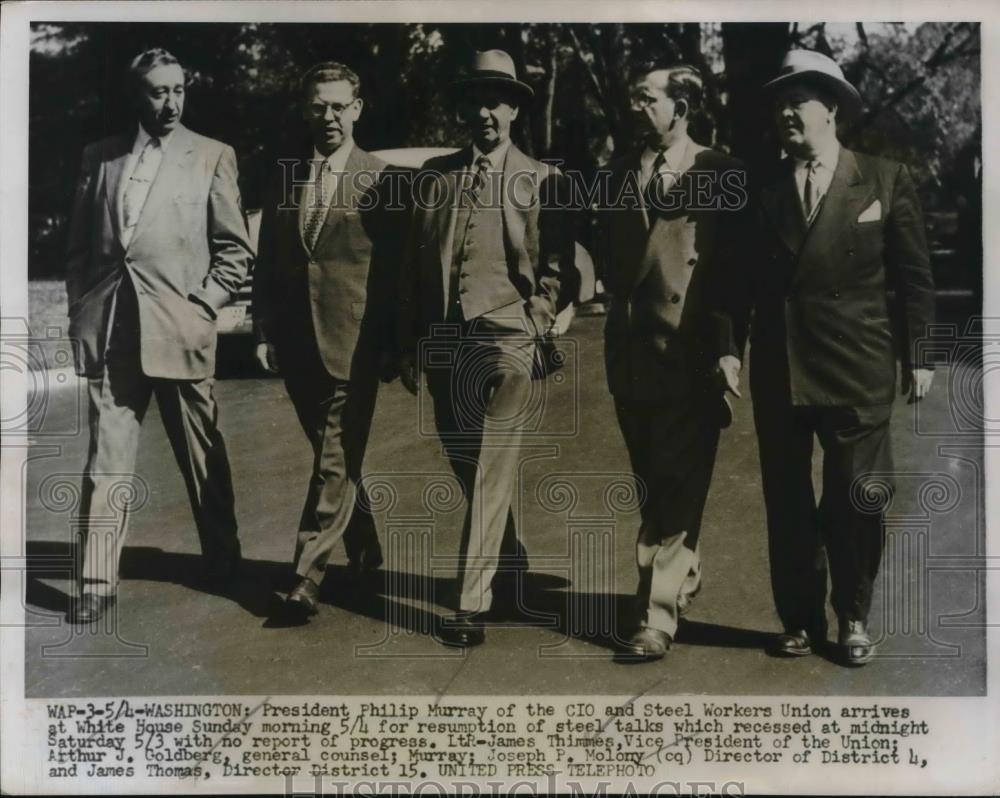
(872, 213)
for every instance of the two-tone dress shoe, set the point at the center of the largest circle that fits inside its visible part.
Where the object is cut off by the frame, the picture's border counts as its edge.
(646, 645)
(856, 643)
(90, 607)
(463, 630)
(303, 601)
(796, 643)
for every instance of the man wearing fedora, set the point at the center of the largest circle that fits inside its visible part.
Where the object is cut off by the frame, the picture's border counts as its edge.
(485, 261)
(837, 231)
(667, 251)
(324, 295)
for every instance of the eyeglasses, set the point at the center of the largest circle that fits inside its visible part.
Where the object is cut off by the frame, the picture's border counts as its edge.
(319, 110)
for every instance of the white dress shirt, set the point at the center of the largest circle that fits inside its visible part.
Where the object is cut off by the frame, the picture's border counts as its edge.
(673, 156)
(140, 191)
(332, 166)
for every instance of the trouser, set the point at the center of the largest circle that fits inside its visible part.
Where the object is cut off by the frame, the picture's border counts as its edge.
(845, 528)
(336, 416)
(118, 400)
(672, 445)
(482, 401)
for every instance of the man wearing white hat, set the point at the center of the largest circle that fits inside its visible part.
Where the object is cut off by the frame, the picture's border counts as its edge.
(487, 258)
(837, 230)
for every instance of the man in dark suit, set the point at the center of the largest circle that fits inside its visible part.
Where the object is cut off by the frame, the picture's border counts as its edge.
(837, 230)
(485, 259)
(323, 304)
(157, 244)
(671, 229)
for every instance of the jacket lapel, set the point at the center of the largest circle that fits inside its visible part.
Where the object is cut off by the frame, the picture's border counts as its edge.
(519, 194)
(346, 194)
(447, 209)
(168, 177)
(840, 207)
(780, 199)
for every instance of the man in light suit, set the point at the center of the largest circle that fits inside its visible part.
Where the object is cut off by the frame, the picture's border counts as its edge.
(323, 304)
(157, 245)
(486, 256)
(671, 228)
(836, 231)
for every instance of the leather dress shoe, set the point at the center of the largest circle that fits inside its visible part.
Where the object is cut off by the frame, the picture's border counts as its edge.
(797, 643)
(856, 642)
(303, 601)
(463, 630)
(646, 645)
(90, 607)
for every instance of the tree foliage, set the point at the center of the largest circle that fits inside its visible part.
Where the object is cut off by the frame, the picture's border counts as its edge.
(920, 85)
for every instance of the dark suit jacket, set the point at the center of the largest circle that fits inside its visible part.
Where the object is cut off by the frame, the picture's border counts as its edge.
(191, 238)
(350, 277)
(538, 242)
(821, 332)
(664, 268)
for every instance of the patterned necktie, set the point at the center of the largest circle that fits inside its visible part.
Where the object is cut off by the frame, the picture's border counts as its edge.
(481, 174)
(137, 188)
(317, 207)
(810, 194)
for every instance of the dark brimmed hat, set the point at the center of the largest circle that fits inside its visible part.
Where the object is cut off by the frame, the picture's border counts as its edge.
(492, 68)
(810, 67)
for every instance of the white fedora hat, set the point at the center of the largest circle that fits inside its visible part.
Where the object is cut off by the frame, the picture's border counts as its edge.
(808, 66)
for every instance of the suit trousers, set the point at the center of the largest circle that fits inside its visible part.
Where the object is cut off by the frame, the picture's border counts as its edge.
(118, 400)
(845, 528)
(483, 400)
(336, 416)
(672, 445)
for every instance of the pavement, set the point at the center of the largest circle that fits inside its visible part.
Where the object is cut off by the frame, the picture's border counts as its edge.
(173, 635)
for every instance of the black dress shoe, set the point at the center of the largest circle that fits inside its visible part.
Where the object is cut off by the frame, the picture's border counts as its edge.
(797, 643)
(856, 642)
(303, 601)
(646, 645)
(90, 607)
(463, 630)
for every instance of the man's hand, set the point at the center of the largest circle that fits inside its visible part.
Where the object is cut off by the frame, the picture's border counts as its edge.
(267, 357)
(409, 374)
(728, 371)
(917, 384)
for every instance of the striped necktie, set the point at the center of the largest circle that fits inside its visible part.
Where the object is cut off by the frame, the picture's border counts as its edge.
(810, 193)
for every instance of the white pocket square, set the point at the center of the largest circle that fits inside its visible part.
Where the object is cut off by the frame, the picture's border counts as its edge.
(872, 213)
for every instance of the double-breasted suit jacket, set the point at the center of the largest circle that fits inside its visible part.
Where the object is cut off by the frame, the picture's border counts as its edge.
(825, 336)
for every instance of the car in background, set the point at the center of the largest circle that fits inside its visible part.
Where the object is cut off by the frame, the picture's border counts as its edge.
(235, 322)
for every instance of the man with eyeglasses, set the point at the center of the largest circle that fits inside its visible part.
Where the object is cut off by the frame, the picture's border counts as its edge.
(324, 290)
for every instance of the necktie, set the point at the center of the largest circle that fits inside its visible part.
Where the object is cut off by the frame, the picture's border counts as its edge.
(316, 208)
(653, 193)
(810, 194)
(481, 174)
(137, 188)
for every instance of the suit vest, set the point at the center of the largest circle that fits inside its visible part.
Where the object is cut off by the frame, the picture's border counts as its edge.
(479, 276)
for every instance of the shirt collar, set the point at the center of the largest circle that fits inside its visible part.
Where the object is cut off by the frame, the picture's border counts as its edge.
(674, 155)
(336, 161)
(496, 157)
(142, 137)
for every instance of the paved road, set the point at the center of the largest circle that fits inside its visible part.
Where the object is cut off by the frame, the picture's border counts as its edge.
(174, 637)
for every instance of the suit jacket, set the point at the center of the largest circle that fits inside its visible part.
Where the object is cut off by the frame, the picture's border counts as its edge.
(663, 268)
(537, 237)
(349, 277)
(191, 239)
(821, 332)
